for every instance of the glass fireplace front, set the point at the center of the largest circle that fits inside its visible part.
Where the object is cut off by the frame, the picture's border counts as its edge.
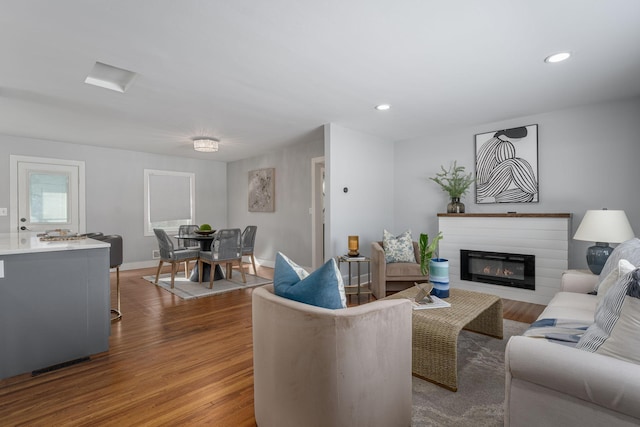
(498, 268)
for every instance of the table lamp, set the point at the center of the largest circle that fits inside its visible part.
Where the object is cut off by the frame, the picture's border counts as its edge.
(353, 246)
(602, 226)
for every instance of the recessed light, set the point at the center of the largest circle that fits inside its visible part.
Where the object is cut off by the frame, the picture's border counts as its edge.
(557, 57)
(383, 107)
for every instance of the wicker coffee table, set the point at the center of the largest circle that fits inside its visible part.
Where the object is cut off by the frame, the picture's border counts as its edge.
(435, 332)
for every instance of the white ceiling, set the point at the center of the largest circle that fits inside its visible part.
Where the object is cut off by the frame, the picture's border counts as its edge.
(261, 74)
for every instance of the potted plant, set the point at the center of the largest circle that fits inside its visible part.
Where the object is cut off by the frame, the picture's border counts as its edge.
(427, 250)
(456, 183)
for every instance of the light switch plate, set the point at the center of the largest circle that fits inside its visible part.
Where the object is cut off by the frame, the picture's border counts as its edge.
(1, 269)
(3, 211)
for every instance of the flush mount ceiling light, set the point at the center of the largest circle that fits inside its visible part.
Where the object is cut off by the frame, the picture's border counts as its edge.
(206, 145)
(110, 77)
(557, 57)
(383, 107)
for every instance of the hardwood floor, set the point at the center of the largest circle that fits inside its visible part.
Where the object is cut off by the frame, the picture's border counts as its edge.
(171, 362)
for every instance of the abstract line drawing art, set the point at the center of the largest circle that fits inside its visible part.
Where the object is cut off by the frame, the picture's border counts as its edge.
(507, 166)
(262, 190)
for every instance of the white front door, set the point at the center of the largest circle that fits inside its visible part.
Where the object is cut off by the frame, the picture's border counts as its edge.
(49, 195)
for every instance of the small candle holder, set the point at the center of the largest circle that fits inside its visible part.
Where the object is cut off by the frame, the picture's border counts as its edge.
(353, 246)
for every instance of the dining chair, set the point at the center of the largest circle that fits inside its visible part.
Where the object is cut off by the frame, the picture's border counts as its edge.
(226, 249)
(169, 254)
(248, 242)
(185, 230)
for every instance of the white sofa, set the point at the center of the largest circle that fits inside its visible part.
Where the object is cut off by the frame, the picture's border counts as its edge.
(549, 384)
(341, 368)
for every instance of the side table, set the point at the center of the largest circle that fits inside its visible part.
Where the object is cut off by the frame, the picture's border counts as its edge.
(358, 289)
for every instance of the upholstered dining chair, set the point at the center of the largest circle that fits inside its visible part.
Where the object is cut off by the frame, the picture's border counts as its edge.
(169, 254)
(185, 230)
(248, 242)
(226, 248)
(115, 261)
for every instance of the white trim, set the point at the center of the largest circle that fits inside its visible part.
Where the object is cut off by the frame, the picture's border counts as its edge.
(314, 214)
(13, 187)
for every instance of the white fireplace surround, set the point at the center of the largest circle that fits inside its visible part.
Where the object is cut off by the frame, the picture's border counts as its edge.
(546, 236)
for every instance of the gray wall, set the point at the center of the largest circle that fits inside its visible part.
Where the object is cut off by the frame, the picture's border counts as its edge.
(288, 229)
(364, 164)
(115, 188)
(588, 158)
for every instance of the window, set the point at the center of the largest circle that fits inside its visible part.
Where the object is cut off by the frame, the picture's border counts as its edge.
(169, 200)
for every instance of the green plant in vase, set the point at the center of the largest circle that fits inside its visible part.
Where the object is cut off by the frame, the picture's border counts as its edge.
(427, 250)
(456, 183)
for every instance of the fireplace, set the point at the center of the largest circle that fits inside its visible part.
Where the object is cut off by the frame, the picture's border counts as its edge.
(497, 268)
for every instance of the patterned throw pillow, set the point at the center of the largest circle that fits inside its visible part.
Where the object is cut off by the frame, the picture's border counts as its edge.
(617, 322)
(398, 249)
(322, 288)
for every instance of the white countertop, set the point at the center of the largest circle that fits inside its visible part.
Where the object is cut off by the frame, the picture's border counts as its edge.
(23, 243)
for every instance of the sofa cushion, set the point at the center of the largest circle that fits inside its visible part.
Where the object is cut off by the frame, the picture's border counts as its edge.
(624, 267)
(629, 250)
(570, 305)
(617, 321)
(323, 287)
(398, 249)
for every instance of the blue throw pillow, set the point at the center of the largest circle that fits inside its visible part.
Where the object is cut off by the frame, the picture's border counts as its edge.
(322, 288)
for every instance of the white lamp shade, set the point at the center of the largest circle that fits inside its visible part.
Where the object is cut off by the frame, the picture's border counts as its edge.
(610, 226)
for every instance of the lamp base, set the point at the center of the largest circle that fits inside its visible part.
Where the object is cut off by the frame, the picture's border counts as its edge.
(353, 253)
(597, 256)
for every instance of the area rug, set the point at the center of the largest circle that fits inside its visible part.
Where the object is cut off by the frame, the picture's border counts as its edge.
(480, 396)
(186, 289)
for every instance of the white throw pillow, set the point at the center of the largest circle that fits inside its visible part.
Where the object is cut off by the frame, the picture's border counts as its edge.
(624, 267)
(629, 250)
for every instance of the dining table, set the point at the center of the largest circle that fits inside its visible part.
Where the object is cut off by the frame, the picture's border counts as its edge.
(205, 241)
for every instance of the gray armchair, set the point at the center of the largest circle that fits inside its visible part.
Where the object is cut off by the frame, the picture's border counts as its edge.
(393, 277)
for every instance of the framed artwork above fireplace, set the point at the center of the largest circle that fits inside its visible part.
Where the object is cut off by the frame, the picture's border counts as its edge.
(507, 166)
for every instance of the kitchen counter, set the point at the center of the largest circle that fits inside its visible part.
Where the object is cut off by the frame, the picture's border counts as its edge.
(19, 243)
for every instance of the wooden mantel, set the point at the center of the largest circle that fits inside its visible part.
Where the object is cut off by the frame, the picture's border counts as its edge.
(506, 215)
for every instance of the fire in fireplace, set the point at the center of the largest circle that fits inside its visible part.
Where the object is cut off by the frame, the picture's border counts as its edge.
(498, 268)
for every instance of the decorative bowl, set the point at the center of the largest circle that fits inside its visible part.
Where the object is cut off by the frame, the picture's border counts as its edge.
(205, 232)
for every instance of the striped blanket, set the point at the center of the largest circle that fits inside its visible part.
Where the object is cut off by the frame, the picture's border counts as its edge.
(561, 331)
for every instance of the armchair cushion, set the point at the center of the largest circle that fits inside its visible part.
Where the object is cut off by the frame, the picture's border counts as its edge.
(322, 288)
(398, 249)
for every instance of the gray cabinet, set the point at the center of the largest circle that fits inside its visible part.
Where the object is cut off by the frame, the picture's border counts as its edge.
(54, 308)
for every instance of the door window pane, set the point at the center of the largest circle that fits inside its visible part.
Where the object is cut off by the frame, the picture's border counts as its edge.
(48, 198)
